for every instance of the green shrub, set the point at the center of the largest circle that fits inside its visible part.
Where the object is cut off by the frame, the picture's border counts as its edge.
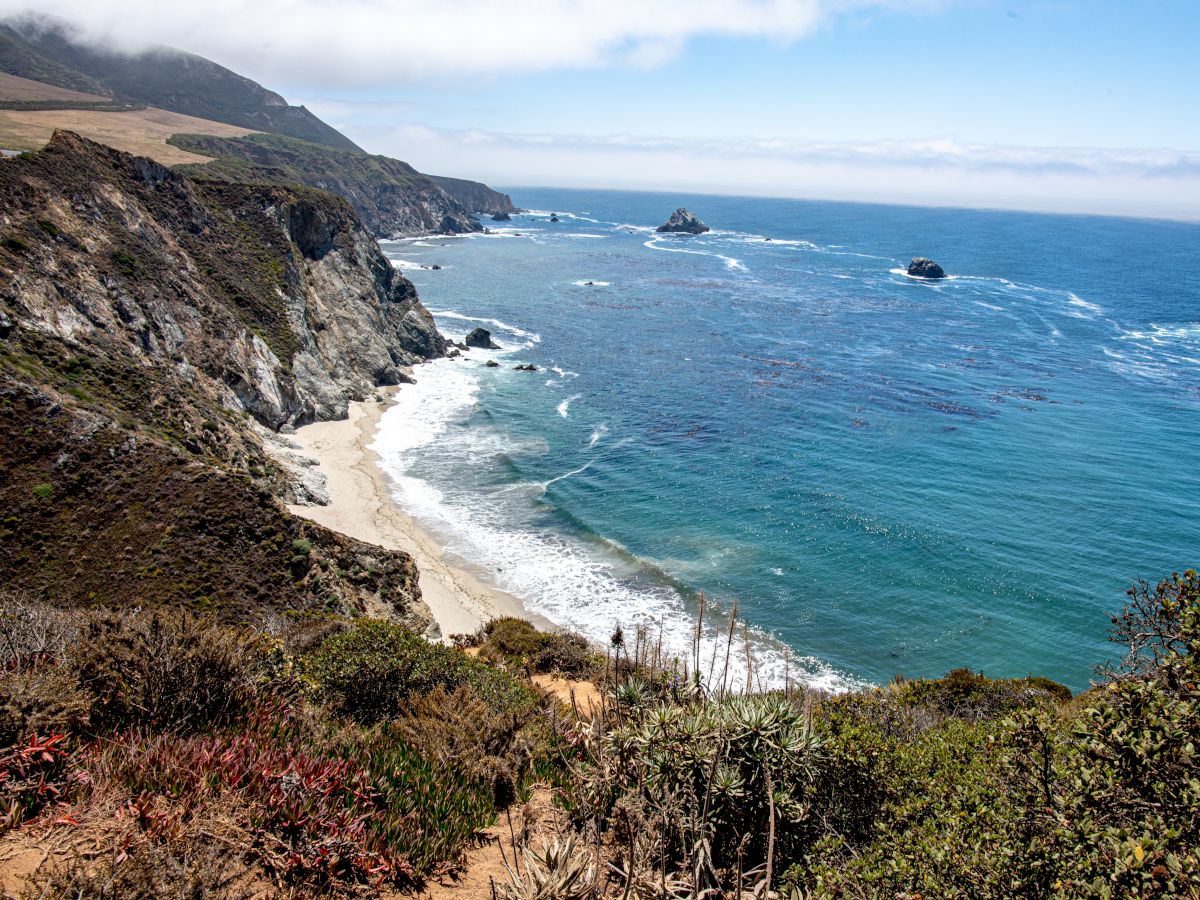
(14, 243)
(48, 227)
(43, 491)
(126, 263)
(515, 643)
(165, 669)
(369, 671)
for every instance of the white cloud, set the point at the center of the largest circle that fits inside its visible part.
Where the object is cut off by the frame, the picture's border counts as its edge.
(373, 42)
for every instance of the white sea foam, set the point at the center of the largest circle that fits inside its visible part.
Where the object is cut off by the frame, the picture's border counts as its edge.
(586, 586)
(407, 264)
(597, 434)
(530, 337)
(730, 262)
(1084, 304)
(566, 404)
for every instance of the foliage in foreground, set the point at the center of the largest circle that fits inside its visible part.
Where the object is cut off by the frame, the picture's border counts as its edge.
(161, 719)
(337, 758)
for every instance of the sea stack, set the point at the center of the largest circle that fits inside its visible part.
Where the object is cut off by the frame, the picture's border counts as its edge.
(502, 216)
(481, 337)
(920, 267)
(683, 222)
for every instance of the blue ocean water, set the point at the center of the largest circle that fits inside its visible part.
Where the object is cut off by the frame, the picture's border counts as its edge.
(887, 475)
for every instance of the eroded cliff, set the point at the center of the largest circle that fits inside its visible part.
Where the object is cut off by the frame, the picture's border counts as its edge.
(147, 322)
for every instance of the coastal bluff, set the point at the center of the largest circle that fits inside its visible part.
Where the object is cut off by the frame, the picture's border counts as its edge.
(159, 332)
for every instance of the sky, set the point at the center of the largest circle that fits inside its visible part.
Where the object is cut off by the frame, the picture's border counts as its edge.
(1067, 105)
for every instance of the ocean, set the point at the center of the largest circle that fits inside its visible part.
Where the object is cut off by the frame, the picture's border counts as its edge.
(887, 476)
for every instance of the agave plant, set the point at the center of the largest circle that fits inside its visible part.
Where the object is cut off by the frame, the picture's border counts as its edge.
(558, 872)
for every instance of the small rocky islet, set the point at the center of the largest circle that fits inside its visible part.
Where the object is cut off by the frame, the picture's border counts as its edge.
(920, 267)
(682, 222)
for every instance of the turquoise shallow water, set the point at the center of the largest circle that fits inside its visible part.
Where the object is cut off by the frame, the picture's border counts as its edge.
(889, 476)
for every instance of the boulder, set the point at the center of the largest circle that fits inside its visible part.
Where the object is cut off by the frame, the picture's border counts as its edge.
(683, 222)
(481, 337)
(920, 267)
(553, 217)
(502, 217)
(526, 368)
(492, 364)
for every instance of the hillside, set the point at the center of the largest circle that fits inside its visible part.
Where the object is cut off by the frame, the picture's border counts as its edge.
(164, 77)
(144, 131)
(154, 332)
(390, 196)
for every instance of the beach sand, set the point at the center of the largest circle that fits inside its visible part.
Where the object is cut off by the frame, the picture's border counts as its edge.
(361, 507)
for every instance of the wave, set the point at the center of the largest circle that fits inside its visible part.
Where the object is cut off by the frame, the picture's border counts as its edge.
(407, 264)
(566, 404)
(597, 434)
(730, 262)
(496, 323)
(589, 585)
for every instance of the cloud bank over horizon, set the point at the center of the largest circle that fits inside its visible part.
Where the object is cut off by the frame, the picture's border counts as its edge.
(1140, 182)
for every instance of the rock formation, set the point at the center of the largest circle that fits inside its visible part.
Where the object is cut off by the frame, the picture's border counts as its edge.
(920, 267)
(157, 327)
(683, 222)
(481, 337)
(501, 217)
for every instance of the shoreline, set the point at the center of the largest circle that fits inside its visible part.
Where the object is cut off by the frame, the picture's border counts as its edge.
(361, 506)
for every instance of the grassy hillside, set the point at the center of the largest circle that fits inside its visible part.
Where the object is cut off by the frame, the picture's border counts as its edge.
(166, 78)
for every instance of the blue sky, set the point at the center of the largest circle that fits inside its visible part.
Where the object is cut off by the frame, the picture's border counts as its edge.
(1080, 105)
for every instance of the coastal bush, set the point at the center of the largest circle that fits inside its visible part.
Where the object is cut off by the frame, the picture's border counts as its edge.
(518, 645)
(369, 671)
(166, 669)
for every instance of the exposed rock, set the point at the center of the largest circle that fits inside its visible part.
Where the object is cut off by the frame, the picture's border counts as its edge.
(6, 326)
(553, 217)
(921, 267)
(492, 364)
(683, 222)
(476, 197)
(526, 368)
(502, 217)
(435, 267)
(481, 337)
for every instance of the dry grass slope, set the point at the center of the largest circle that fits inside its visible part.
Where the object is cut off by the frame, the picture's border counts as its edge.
(13, 87)
(143, 132)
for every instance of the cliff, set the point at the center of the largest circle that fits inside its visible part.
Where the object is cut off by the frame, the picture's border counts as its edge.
(152, 329)
(390, 196)
(476, 197)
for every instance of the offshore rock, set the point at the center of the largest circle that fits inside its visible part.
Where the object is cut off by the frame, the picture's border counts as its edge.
(502, 216)
(683, 222)
(481, 337)
(920, 267)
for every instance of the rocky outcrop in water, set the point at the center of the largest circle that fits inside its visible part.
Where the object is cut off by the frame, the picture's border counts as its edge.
(920, 267)
(502, 217)
(480, 337)
(682, 222)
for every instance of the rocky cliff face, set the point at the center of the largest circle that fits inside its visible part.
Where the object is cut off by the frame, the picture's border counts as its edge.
(276, 296)
(144, 320)
(476, 197)
(391, 197)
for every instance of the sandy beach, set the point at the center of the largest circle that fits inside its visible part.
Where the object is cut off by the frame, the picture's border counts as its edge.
(361, 506)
